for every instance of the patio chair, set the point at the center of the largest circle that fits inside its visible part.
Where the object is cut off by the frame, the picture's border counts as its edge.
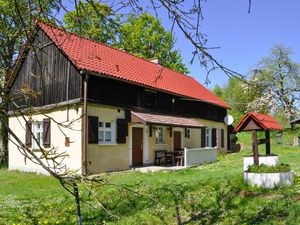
(159, 156)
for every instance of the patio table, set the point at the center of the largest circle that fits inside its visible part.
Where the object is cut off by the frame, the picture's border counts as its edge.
(158, 156)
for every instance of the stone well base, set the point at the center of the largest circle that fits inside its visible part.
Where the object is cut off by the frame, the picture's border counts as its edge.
(269, 180)
(269, 160)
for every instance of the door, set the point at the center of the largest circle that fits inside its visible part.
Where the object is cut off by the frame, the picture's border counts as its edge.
(137, 146)
(177, 140)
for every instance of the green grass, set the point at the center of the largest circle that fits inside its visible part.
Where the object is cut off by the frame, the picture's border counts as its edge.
(280, 168)
(208, 194)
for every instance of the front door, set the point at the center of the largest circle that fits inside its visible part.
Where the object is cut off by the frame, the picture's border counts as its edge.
(137, 146)
(177, 140)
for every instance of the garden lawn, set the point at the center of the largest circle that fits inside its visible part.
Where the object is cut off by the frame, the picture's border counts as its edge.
(208, 194)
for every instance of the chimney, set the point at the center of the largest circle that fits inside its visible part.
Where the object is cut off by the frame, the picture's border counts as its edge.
(156, 60)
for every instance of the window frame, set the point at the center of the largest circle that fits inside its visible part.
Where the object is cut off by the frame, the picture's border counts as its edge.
(35, 131)
(159, 136)
(104, 130)
(208, 137)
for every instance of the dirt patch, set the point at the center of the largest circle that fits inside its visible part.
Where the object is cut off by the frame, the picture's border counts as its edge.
(247, 193)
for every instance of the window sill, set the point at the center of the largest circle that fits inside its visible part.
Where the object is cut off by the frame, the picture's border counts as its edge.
(37, 149)
(107, 144)
(161, 144)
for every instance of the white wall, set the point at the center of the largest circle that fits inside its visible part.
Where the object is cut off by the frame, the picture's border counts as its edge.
(198, 156)
(72, 160)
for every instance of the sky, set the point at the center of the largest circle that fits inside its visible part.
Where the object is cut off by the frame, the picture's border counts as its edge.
(243, 38)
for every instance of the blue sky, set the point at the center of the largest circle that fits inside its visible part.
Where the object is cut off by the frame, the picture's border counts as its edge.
(246, 38)
(243, 38)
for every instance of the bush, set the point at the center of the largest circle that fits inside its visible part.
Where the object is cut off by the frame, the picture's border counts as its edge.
(269, 169)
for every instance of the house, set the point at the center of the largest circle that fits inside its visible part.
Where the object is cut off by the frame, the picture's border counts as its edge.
(116, 108)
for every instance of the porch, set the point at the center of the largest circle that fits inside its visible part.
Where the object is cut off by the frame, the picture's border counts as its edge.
(188, 158)
(160, 140)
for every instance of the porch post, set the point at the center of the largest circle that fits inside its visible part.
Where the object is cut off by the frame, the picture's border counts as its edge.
(85, 125)
(255, 147)
(268, 149)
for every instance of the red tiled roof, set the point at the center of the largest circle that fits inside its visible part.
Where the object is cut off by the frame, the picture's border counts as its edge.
(96, 57)
(266, 122)
(149, 118)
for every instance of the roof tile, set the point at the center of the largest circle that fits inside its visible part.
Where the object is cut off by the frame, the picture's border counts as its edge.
(266, 122)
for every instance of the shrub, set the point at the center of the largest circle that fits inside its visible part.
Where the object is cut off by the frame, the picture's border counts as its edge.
(269, 169)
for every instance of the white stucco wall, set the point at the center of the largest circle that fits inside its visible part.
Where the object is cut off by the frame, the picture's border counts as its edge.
(72, 160)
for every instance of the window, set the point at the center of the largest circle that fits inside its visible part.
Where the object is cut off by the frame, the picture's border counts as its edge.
(208, 137)
(106, 132)
(37, 131)
(150, 98)
(159, 134)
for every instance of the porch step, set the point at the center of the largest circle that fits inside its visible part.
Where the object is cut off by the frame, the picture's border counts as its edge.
(147, 169)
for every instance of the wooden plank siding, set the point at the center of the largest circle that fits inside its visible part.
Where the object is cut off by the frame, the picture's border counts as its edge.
(117, 93)
(47, 72)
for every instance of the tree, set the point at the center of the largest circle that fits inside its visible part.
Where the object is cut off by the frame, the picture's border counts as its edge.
(95, 21)
(278, 78)
(238, 95)
(142, 35)
(145, 37)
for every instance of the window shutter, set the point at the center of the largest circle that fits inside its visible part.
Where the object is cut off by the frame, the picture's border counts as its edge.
(222, 138)
(213, 137)
(28, 138)
(122, 130)
(203, 144)
(47, 132)
(93, 129)
(150, 130)
(187, 133)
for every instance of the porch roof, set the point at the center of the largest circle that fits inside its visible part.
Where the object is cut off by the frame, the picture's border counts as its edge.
(166, 120)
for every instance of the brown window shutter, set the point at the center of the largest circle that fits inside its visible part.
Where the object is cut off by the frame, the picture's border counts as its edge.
(213, 137)
(203, 144)
(122, 130)
(222, 138)
(187, 133)
(28, 138)
(150, 130)
(47, 133)
(93, 129)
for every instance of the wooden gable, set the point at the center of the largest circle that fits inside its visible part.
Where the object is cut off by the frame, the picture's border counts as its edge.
(44, 75)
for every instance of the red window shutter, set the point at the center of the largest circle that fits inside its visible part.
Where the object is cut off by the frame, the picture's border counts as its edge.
(93, 129)
(47, 133)
(28, 139)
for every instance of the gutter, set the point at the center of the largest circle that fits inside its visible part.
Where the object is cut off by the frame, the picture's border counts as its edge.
(84, 124)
